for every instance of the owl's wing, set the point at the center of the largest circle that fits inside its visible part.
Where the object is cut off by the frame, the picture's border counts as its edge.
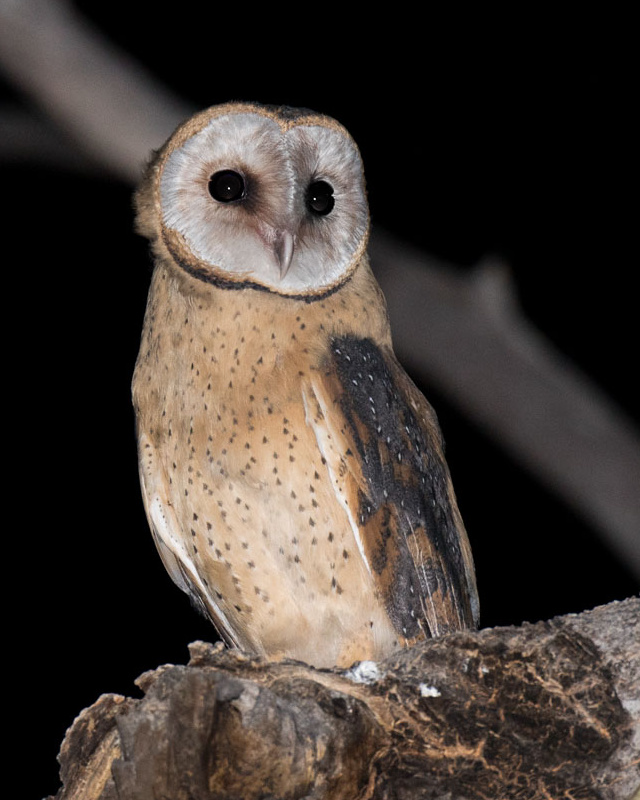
(168, 540)
(382, 445)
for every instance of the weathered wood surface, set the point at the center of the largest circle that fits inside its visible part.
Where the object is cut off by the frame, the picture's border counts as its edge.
(550, 710)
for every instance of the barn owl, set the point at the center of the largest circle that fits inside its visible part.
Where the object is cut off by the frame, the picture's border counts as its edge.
(292, 474)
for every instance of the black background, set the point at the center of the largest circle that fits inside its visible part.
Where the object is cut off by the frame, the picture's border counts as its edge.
(508, 137)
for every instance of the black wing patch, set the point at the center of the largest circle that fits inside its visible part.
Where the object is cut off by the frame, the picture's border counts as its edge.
(406, 510)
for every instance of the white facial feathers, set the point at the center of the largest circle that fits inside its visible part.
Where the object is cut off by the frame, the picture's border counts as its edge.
(273, 231)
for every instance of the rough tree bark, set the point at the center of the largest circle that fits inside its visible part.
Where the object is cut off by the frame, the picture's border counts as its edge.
(550, 710)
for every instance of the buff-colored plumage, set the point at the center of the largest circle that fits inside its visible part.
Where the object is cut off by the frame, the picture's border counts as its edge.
(292, 474)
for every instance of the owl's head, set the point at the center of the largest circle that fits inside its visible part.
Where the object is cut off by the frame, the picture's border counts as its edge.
(250, 195)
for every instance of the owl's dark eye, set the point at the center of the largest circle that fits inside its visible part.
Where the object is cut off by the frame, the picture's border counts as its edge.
(320, 198)
(226, 186)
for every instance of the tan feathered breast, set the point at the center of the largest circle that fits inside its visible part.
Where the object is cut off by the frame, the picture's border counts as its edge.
(293, 475)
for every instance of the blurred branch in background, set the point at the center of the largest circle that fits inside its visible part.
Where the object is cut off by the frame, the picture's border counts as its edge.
(96, 108)
(110, 107)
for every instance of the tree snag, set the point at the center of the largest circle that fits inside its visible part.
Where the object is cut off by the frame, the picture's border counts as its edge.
(550, 710)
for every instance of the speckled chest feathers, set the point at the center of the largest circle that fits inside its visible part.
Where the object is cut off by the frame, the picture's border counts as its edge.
(292, 474)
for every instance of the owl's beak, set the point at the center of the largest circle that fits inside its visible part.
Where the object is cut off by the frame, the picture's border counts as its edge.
(283, 247)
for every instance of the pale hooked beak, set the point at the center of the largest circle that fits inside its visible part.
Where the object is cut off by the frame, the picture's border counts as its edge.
(283, 246)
